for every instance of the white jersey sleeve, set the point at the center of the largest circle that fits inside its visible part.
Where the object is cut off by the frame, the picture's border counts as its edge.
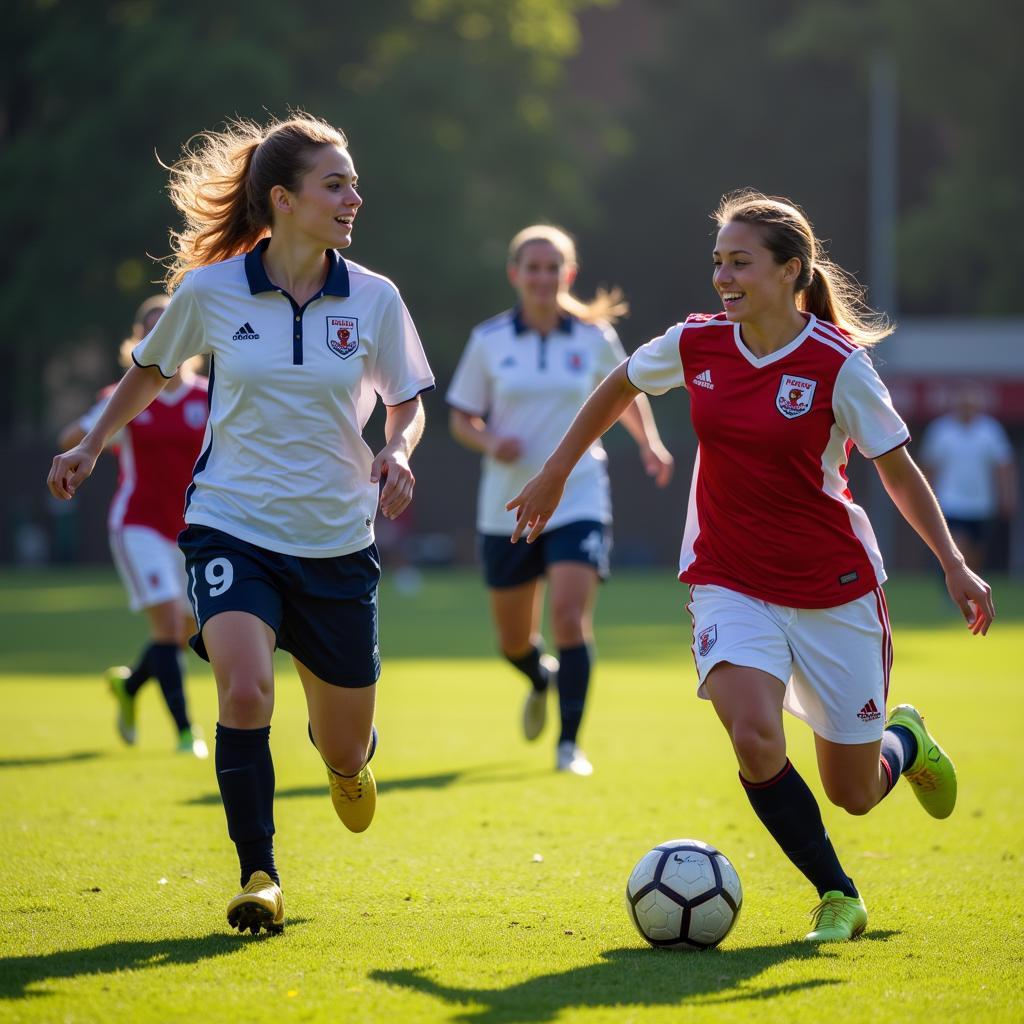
(470, 389)
(400, 370)
(611, 353)
(864, 410)
(999, 443)
(657, 366)
(178, 334)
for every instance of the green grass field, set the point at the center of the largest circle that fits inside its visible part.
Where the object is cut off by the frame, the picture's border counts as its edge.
(489, 888)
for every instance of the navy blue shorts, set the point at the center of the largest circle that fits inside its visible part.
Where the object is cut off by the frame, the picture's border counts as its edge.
(509, 565)
(323, 610)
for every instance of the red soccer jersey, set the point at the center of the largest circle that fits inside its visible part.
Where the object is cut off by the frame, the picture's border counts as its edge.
(770, 512)
(156, 453)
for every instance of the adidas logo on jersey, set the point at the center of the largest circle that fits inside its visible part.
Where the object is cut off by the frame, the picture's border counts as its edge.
(245, 333)
(703, 380)
(870, 712)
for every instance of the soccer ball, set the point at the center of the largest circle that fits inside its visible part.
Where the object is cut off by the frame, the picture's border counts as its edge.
(684, 894)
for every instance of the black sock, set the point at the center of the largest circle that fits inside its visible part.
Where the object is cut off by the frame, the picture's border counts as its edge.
(899, 748)
(573, 682)
(245, 774)
(142, 673)
(788, 810)
(166, 662)
(529, 664)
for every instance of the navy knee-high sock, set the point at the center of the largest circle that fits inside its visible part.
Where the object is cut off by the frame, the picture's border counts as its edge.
(165, 660)
(788, 810)
(899, 748)
(529, 664)
(142, 672)
(573, 682)
(245, 774)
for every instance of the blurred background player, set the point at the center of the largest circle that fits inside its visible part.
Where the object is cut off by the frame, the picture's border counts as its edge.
(785, 574)
(969, 461)
(518, 385)
(155, 455)
(279, 545)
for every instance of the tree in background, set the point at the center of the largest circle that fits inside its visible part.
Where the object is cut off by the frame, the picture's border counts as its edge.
(448, 104)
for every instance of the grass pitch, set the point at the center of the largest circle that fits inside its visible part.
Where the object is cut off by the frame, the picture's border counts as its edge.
(489, 889)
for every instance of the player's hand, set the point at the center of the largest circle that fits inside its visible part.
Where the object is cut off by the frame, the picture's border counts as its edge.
(505, 449)
(67, 471)
(535, 504)
(973, 596)
(393, 468)
(658, 463)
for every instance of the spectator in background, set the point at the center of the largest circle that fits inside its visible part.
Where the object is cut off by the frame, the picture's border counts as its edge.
(967, 457)
(155, 455)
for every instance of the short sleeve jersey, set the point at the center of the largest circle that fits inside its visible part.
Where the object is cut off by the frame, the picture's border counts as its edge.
(964, 457)
(284, 465)
(530, 386)
(155, 455)
(770, 511)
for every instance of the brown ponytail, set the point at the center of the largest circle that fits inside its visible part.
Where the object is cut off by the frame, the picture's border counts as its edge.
(605, 307)
(222, 186)
(822, 288)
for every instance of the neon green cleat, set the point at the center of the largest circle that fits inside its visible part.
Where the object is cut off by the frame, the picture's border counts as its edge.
(117, 676)
(933, 774)
(260, 904)
(354, 798)
(190, 741)
(837, 918)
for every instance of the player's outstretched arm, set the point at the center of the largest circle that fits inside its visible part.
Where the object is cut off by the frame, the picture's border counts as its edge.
(917, 504)
(403, 429)
(138, 387)
(536, 502)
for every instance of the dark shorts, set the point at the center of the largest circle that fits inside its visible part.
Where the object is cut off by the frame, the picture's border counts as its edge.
(323, 610)
(977, 530)
(509, 565)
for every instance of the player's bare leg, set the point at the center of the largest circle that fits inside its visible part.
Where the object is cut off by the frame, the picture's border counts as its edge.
(341, 727)
(572, 589)
(749, 703)
(517, 612)
(241, 649)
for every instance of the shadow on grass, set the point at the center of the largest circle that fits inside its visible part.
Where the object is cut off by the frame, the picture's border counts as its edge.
(45, 759)
(628, 977)
(19, 975)
(440, 780)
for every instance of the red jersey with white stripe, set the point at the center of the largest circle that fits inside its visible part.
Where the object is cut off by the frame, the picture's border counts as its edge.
(770, 511)
(156, 453)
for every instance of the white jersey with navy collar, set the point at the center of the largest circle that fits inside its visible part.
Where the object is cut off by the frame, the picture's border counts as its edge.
(530, 386)
(283, 464)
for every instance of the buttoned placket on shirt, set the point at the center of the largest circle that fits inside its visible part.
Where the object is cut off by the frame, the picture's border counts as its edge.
(519, 326)
(336, 284)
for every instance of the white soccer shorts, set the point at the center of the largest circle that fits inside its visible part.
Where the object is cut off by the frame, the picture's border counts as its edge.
(151, 567)
(834, 662)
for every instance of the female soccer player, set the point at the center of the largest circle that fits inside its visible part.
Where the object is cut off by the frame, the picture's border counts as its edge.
(521, 379)
(279, 544)
(155, 453)
(784, 572)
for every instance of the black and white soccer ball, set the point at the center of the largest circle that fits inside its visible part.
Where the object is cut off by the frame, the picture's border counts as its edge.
(684, 894)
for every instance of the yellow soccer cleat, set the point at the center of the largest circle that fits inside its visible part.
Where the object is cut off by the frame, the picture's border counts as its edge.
(354, 798)
(116, 678)
(837, 918)
(260, 904)
(933, 774)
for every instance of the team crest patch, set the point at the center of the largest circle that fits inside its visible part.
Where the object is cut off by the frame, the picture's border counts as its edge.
(343, 335)
(706, 639)
(796, 395)
(575, 361)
